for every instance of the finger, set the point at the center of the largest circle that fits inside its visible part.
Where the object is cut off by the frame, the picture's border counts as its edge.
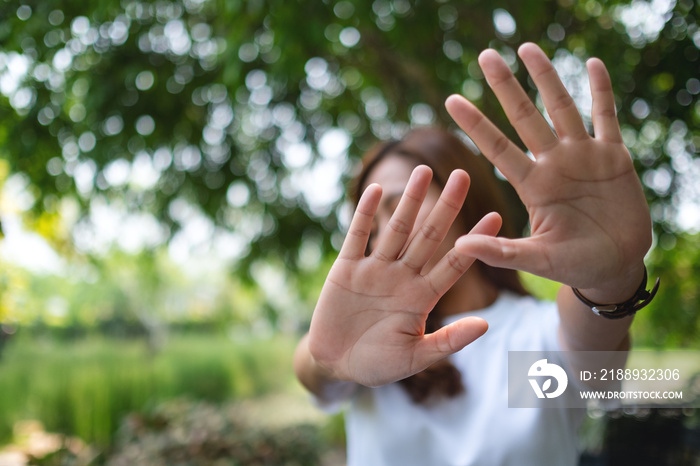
(495, 146)
(355, 243)
(519, 254)
(393, 240)
(527, 120)
(559, 104)
(435, 228)
(448, 270)
(605, 123)
(447, 340)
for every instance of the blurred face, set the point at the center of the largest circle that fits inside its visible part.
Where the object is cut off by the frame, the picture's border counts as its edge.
(392, 174)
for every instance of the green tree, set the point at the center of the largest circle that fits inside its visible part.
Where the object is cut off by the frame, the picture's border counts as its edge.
(245, 109)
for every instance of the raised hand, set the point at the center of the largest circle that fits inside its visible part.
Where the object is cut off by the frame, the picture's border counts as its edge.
(589, 221)
(369, 323)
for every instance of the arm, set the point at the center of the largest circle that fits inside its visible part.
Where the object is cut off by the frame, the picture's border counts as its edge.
(582, 330)
(590, 224)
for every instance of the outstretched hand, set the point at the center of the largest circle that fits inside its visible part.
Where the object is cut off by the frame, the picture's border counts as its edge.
(589, 220)
(369, 323)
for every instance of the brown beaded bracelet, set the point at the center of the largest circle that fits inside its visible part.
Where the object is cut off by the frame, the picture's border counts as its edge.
(641, 298)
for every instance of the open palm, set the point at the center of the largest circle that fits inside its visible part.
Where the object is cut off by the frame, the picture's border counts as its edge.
(589, 219)
(369, 323)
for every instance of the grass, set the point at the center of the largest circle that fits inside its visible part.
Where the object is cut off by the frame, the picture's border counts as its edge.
(86, 387)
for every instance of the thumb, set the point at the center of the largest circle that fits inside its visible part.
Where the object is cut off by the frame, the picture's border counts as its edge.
(518, 254)
(448, 340)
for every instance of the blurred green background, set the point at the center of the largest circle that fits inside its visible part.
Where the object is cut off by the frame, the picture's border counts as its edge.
(172, 182)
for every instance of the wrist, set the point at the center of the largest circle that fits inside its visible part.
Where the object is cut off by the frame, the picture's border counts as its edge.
(619, 289)
(619, 309)
(319, 368)
(318, 379)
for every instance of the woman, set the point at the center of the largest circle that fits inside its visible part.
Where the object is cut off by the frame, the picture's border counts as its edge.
(590, 229)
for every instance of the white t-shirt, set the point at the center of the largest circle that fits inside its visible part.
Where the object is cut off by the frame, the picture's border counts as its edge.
(384, 427)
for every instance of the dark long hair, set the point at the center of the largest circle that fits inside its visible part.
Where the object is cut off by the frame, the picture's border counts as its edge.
(444, 152)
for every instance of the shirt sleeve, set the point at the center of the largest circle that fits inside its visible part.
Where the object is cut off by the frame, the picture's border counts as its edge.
(335, 397)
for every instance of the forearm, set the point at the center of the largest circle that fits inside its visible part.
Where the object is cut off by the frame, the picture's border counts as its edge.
(582, 330)
(315, 378)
